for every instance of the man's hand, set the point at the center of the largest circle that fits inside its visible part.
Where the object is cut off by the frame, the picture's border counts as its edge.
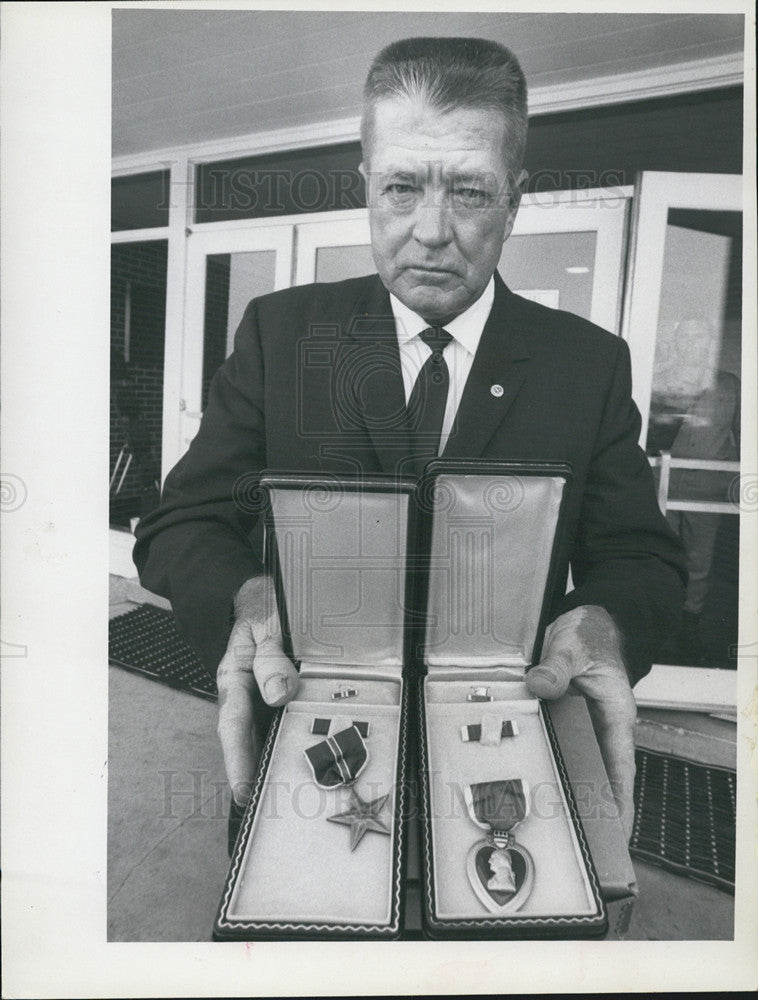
(583, 648)
(254, 658)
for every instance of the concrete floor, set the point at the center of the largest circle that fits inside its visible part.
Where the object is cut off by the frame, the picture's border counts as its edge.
(167, 807)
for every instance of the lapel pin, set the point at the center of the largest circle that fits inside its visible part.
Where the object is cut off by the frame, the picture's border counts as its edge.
(497, 390)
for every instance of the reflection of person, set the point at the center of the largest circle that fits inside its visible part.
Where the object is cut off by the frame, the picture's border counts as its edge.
(321, 376)
(695, 414)
(502, 879)
(709, 430)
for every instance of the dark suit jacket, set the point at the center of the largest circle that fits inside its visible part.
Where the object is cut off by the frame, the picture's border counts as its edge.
(314, 384)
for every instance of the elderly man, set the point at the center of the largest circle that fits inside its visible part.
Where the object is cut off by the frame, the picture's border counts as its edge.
(324, 379)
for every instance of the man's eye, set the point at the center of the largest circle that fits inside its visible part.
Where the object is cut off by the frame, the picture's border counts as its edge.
(469, 197)
(400, 193)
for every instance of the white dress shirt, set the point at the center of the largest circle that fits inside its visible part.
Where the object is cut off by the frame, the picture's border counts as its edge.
(466, 331)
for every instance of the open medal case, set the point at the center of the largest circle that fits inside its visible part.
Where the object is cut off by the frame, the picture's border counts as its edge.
(311, 860)
(504, 853)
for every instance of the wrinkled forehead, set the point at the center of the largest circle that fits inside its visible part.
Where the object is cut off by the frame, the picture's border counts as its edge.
(409, 133)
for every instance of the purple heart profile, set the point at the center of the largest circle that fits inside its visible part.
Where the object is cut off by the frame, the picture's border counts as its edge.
(502, 878)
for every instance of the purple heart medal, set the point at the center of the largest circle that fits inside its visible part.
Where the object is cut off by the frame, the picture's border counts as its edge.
(339, 760)
(501, 871)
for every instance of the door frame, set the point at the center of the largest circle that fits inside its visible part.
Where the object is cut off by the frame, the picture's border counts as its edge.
(655, 193)
(200, 245)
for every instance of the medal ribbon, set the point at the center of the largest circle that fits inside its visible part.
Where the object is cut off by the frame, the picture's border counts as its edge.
(473, 733)
(498, 805)
(339, 759)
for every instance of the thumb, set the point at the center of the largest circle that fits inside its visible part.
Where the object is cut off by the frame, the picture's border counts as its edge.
(275, 673)
(550, 678)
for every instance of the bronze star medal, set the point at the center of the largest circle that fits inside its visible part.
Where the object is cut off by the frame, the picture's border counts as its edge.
(339, 760)
(361, 817)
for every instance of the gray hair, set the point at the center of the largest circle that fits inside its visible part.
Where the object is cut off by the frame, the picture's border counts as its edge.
(449, 73)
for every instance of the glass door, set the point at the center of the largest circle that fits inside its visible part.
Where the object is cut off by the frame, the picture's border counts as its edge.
(334, 249)
(226, 268)
(567, 251)
(684, 327)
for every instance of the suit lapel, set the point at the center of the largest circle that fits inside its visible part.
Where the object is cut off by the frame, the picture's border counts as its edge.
(499, 368)
(374, 376)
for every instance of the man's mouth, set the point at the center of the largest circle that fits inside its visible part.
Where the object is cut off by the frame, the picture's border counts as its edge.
(432, 268)
(430, 273)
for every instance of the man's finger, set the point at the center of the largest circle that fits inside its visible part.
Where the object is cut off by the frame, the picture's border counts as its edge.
(241, 755)
(236, 685)
(550, 678)
(613, 712)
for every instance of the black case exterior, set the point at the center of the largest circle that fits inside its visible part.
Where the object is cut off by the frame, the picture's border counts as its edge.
(512, 926)
(229, 928)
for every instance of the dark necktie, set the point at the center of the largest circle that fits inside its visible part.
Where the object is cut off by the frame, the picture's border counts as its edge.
(426, 407)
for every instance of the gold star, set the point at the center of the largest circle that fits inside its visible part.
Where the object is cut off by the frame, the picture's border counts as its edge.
(361, 817)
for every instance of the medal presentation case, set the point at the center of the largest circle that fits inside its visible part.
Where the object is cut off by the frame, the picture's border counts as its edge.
(504, 853)
(320, 851)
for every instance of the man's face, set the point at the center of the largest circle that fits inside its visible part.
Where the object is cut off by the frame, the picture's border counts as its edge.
(441, 203)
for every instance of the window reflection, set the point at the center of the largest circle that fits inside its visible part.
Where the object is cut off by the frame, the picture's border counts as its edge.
(694, 418)
(708, 633)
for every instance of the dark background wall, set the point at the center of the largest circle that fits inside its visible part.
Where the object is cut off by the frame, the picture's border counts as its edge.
(699, 133)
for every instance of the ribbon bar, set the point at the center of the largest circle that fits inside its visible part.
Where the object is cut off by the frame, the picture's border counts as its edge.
(498, 805)
(345, 693)
(339, 759)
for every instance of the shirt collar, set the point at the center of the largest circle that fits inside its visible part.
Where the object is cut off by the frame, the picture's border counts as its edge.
(466, 328)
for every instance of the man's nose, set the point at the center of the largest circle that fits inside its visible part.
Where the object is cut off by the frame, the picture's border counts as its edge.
(433, 225)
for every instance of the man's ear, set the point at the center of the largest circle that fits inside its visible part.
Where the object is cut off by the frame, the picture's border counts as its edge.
(520, 186)
(363, 171)
(516, 191)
